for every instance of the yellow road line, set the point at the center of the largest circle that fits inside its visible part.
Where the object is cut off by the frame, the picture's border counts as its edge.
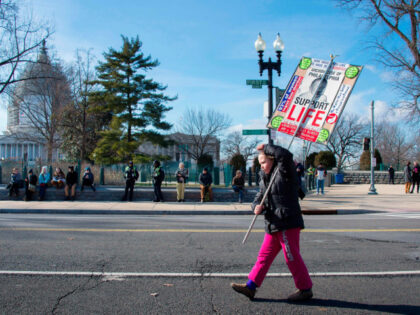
(198, 230)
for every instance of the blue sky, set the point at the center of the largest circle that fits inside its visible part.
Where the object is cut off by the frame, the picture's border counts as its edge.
(206, 48)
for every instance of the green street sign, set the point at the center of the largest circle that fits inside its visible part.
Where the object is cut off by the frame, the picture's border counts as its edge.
(254, 132)
(256, 84)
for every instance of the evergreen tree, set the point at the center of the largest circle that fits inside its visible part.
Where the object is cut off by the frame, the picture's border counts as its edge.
(205, 160)
(378, 158)
(136, 103)
(238, 162)
(365, 161)
(310, 159)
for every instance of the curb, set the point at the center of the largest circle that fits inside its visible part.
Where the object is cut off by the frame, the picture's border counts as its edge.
(150, 212)
(319, 211)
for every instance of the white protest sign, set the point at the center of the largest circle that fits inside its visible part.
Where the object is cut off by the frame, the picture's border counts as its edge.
(312, 103)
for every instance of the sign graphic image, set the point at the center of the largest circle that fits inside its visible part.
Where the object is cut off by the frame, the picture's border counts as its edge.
(314, 99)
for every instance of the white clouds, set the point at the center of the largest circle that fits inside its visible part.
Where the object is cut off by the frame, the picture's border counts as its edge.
(358, 101)
(387, 76)
(383, 111)
(260, 123)
(371, 68)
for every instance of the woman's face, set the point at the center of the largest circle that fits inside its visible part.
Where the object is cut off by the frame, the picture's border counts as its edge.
(266, 163)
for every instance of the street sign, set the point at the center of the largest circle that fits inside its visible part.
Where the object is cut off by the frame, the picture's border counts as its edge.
(254, 132)
(257, 84)
(373, 164)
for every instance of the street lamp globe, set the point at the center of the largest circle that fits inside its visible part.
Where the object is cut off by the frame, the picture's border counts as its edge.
(260, 44)
(277, 44)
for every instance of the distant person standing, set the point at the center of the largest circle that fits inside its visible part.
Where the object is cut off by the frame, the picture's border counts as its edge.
(320, 174)
(407, 177)
(391, 173)
(181, 178)
(238, 185)
(415, 177)
(15, 179)
(300, 170)
(311, 177)
(158, 177)
(130, 176)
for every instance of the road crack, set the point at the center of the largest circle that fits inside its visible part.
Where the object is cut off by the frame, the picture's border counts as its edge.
(203, 268)
(82, 287)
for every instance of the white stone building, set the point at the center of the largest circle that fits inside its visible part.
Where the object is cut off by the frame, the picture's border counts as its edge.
(180, 151)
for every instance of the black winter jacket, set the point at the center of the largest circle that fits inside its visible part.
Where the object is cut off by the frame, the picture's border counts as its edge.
(205, 179)
(71, 178)
(281, 207)
(158, 175)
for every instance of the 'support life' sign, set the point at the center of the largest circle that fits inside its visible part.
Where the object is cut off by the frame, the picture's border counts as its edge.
(325, 95)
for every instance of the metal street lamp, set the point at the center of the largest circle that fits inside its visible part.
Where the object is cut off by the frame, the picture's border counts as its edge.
(269, 66)
(372, 189)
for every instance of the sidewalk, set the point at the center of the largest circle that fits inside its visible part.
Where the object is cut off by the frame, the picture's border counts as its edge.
(338, 199)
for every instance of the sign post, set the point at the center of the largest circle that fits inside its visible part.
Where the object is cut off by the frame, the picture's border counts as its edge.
(254, 132)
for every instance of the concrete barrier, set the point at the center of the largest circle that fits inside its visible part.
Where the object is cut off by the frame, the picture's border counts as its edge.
(115, 193)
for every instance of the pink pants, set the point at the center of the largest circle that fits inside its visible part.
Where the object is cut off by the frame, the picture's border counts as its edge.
(271, 246)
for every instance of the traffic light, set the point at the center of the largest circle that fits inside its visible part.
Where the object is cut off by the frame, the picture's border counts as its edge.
(366, 144)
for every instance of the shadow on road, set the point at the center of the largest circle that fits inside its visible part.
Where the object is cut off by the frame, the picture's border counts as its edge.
(395, 309)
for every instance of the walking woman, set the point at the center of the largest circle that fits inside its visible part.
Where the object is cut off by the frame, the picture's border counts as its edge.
(283, 222)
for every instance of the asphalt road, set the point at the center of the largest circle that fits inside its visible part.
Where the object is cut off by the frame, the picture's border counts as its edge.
(184, 265)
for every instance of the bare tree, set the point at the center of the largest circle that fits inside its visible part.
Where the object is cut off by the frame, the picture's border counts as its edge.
(394, 144)
(346, 141)
(401, 18)
(202, 126)
(39, 103)
(80, 125)
(20, 38)
(235, 143)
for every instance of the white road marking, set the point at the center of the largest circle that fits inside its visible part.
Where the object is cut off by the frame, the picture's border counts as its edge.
(120, 275)
(403, 215)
